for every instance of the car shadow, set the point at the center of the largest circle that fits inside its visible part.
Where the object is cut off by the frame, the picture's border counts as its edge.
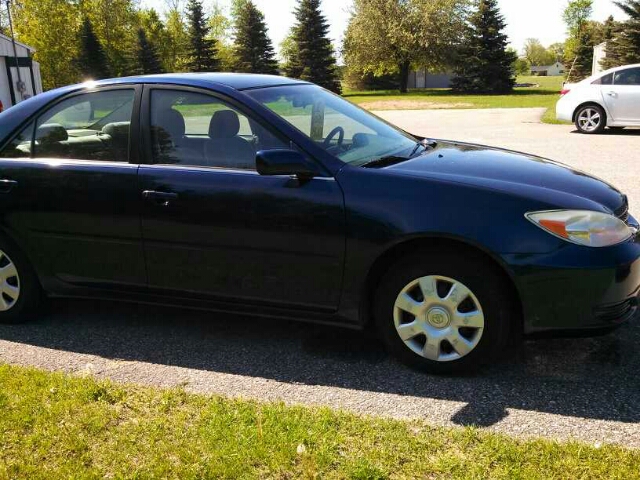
(628, 132)
(593, 378)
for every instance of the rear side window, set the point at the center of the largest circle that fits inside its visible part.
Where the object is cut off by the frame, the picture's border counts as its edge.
(631, 76)
(91, 126)
(606, 80)
(20, 146)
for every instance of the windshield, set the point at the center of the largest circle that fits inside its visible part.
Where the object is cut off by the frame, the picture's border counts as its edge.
(339, 127)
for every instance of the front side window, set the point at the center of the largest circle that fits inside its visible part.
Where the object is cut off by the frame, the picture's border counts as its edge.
(196, 129)
(339, 127)
(630, 76)
(90, 126)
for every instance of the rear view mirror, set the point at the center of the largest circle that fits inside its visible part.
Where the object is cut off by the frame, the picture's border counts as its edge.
(285, 162)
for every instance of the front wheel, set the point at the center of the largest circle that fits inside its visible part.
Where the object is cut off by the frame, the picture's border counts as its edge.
(591, 119)
(444, 313)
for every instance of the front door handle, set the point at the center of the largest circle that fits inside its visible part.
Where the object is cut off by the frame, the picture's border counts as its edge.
(7, 185)
(160, 198)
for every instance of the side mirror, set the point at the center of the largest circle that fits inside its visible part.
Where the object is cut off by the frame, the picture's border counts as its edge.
(284, 162)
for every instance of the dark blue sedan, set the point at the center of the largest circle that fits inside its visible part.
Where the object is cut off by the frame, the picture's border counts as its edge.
(272, 197)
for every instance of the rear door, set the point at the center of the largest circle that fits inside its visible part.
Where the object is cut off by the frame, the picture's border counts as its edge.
(68, 190)
(623, 96)
(213, 227)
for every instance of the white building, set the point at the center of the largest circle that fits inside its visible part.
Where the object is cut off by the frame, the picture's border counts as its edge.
(599, 54)
(19, 77)
(548, 70)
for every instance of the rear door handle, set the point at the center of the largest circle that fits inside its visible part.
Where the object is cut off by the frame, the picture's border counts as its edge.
(7, 185)
(612, 94)
(160, 198)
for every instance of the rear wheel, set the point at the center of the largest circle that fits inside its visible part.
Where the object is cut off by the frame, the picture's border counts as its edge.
(444, 313)
(591, 119)
(19, 287)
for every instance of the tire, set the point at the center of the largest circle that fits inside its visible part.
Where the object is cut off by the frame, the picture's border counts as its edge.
(20, 293)
(484, 289)
(591, 119)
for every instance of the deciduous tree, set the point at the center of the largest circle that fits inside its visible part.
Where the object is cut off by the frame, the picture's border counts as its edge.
(579, 45)
(485, 65)
(536, 54)
(392, 36)
(51, 27)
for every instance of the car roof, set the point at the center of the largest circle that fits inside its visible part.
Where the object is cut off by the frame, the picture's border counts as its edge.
(237, 81)
(616, 69)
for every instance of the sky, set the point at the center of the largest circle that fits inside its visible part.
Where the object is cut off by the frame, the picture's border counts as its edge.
(541, 19)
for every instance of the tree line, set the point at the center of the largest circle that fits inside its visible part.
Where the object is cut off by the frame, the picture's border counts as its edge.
(385, 40)
(81, 39)
(621, 39)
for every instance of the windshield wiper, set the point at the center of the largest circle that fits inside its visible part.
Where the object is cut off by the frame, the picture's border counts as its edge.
(385, 161)
(394, 159)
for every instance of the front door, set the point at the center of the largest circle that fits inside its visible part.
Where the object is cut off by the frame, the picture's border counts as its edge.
(623, 97)
(213, 227)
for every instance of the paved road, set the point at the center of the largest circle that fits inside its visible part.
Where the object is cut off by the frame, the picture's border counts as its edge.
(586, 389)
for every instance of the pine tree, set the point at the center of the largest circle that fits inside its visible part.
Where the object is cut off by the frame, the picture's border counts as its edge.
(314, 61)
(616, 48)
(203, 53)
(147, 59)
(254, 52)
(92, 59)
(624, 47)
(485, 65)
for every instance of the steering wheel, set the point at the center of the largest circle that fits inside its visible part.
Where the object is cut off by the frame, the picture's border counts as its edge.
(327, 141)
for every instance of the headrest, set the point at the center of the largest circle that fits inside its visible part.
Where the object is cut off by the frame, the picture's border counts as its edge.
(172, 122)
(51, 133)
(116, 129)
(224, 124)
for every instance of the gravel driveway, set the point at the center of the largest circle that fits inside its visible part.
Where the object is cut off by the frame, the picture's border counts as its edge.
(586, 389)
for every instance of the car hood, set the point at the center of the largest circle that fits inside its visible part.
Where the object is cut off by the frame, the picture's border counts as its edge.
(510, 171)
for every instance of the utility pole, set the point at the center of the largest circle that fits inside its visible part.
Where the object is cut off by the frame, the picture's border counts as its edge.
(20, 87)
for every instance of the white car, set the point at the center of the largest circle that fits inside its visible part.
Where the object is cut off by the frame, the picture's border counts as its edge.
(608, 99)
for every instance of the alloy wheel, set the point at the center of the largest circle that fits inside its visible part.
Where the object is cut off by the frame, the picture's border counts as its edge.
(9, 283)
(439, 318)
(589, 119)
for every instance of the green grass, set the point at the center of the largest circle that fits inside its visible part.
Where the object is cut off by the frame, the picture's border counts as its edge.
(545, 95)
(56, 426)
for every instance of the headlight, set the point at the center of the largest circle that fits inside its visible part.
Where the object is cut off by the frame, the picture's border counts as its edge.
(584, 227)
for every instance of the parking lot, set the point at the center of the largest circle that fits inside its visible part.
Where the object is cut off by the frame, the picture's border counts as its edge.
(563, 388)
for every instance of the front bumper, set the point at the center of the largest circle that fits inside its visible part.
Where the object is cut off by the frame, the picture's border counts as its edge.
(578, 288)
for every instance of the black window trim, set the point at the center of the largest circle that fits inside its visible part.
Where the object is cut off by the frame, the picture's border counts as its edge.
(145, 147)
(134, 129)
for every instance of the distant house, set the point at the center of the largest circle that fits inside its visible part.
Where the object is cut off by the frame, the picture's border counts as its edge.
(19, 73)
(426, 79)
(548, 70)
